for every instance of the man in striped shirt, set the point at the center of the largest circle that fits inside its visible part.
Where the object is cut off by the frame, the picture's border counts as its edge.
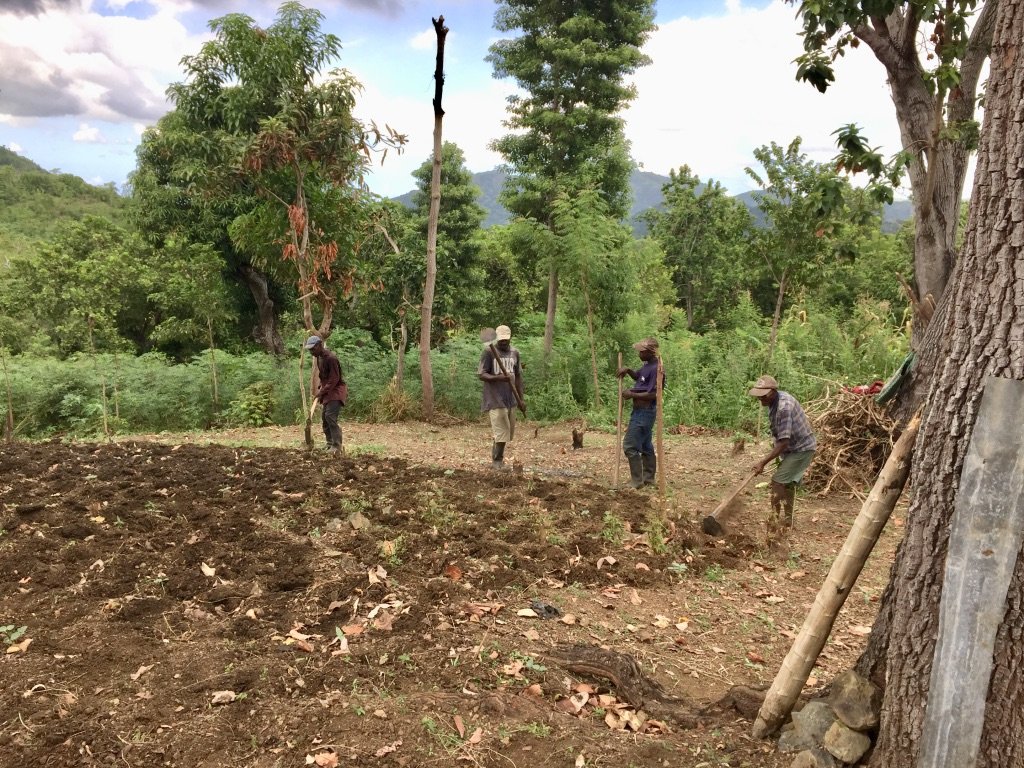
(793, 445)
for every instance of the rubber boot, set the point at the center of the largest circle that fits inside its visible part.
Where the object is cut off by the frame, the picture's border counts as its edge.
(650, 465)
(788, 498)
(636, 471)
(497, 455)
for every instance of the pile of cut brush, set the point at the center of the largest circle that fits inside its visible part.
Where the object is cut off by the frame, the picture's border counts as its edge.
(855, 436)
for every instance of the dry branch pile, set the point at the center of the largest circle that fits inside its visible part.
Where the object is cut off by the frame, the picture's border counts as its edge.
(855, 436)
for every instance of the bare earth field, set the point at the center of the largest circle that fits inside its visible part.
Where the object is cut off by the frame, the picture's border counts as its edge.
(227, 599)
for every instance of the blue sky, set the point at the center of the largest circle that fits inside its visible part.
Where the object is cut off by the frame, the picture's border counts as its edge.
(81, 79)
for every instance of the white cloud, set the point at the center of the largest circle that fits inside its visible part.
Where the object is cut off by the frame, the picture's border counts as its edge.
(720, 87)
(105, 67)
(14, 146)
(425, 40)
(87, 134)
(139, 128)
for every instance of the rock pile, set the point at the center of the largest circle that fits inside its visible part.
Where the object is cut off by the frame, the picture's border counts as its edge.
(838, 731)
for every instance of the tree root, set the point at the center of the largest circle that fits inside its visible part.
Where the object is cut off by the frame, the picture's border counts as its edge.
(630, 683)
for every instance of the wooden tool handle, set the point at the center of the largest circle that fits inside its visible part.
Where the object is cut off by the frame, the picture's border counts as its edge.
(736, 492)
(504, 372)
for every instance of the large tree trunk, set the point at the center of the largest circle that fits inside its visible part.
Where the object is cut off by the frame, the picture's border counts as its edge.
(978, 332)
(427, 307)
(939, 158)
(265, 332)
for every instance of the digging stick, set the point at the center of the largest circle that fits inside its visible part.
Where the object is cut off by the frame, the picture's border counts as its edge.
(661, 429)
(618, 430)
(309, 416)
(837, 586)
(309, 425)
(504, 372)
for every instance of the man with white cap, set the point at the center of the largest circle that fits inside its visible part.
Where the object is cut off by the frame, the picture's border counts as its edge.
(638, 443)
(499, 401)
(332, 393)
(794, 445)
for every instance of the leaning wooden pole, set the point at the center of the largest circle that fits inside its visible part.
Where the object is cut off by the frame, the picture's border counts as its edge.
(618, 429)
(874, 514)
(660, 447)
(427, 307)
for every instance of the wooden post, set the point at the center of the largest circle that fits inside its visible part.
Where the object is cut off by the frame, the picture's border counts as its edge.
(874, 513)
(618, 429)
(984, 541)
(9, 418)
(660, 447)
(427, 307)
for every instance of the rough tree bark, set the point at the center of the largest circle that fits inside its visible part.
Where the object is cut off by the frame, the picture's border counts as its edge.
(266, 332)
(978, 331)
(427, 307)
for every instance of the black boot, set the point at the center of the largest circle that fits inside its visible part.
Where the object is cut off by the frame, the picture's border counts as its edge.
(497, 455)
(636, 471)
(650, 464)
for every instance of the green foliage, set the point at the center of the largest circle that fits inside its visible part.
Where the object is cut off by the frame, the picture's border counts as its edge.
(260, 114)
(705, 236)
(253, 407)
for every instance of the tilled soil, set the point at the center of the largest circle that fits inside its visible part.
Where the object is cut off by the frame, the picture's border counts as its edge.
(191, 605)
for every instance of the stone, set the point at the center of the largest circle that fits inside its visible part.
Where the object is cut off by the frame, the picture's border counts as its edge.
(815, 758)
(795, 741)
(856, 701)
(845, 743)
(814, 720)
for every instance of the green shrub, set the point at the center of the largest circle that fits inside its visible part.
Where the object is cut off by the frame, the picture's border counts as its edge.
(254, 406)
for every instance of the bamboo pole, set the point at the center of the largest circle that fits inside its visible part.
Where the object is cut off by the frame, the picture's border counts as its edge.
(660, 447)
(618, 429)
(874, 514)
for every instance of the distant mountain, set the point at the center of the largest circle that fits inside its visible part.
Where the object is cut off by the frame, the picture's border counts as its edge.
(34, 203)
(646, 194)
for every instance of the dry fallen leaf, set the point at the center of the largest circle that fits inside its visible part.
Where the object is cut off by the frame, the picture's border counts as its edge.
(580, 761)
(460, 726)
(661, 622)
(531, 634)
(141, 671)
(392, 747)
(859, 629)
(568, 619)
(207, 570)
(606, 559)
(325, 760)
(20, 647)
(797, 574)
(223, 697)
(352, 630)
(477, 736)
(528, 613)
(533, 690)
(774, 599)
(453, 572)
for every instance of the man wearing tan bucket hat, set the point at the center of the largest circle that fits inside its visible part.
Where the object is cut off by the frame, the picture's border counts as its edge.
(794, 445)
(500, 370)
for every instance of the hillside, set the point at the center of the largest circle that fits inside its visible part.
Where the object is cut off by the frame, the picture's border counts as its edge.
(34, 203)
(646, 194)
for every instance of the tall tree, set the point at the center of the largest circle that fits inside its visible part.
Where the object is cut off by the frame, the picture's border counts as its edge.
(274, 123)
(979, 332)
(427, 305)
(458, 298)
(571, 59)
(704, 233)
(933, 58)
(167, 206)
(806, 204)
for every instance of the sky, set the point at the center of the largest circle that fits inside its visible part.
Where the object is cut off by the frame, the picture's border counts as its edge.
(80, 80)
